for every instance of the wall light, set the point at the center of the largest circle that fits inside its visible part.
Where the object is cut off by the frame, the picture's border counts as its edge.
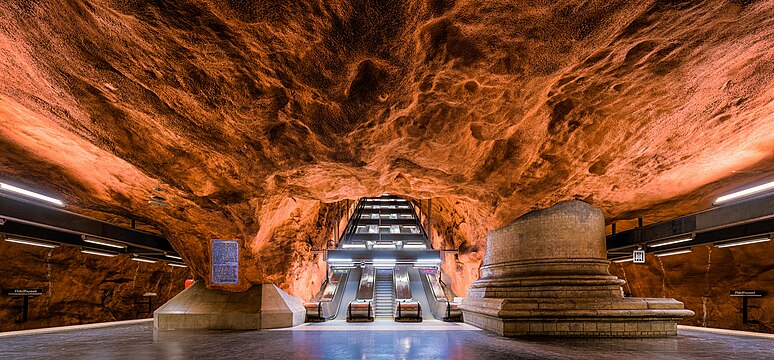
(744, 242)
(98, 252)
(103, 242)
(39, 243)
(20, 191)
(177, 265)
(173, 257)
(676, 252)
(623, 260)
(746, 192)
(670, 241)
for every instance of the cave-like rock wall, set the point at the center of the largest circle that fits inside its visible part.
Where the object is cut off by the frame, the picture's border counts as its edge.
(703, 281)
(79, 288)
(256, 117)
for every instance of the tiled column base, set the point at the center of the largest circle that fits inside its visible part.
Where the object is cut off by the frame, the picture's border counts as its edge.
(574, 327)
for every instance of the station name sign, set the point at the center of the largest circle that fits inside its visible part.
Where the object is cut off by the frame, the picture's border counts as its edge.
(748, 293)
(23, 292)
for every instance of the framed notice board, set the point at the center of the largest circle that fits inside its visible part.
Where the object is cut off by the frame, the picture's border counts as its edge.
(225, 262)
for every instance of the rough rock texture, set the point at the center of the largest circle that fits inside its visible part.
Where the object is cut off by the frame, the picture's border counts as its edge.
(703, 280)
(80, 288)
(259, 115)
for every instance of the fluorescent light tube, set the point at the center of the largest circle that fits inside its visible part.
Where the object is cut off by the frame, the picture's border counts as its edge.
(429, 261)
(33, 243)
(354, 246)
(415, 246)
(677, 252)
(670, 241)
(31, 194)
(742, 193)
(144, 260)
(384, 246)
(103, 242)
(177, 265)
(339, 260)
(173, 257)
(623, 260)
(743, 242)
(97, 252)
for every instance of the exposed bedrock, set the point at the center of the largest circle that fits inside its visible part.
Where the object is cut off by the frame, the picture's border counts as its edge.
(546, 274)
(258, 117)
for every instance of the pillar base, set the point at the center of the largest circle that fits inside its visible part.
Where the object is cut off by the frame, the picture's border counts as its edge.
(262, 306)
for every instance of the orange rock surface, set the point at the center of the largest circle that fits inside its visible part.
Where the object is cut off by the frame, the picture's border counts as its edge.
(261, 117)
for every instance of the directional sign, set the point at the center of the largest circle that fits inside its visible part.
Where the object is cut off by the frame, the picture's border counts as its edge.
(638, 256)
(23, 292)
(748, 293)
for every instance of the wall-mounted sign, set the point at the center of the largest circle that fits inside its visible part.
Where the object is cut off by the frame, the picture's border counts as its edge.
(638, 256)
(23, 292)
(225, 262)
(340, 270)
(150, 294)
(748, 293)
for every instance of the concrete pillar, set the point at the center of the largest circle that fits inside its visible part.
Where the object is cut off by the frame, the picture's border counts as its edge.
(546, 274)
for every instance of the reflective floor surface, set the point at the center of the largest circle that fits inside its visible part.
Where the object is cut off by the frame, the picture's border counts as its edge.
(375, 341)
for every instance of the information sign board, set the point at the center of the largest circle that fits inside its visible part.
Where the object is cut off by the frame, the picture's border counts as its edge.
(225, 261)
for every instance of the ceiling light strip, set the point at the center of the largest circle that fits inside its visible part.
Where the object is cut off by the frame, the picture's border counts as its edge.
(670, 253)
(743, 242)
(98, 252)
(20, 191)
(746, 192)
(32, 242)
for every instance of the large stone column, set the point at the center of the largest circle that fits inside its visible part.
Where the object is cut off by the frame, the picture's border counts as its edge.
(546, 274)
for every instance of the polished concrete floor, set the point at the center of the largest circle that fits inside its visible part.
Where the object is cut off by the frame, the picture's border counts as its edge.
(375, 341)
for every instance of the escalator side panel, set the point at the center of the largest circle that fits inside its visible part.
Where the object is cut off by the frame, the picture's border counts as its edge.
(350, 292)
(366, 288)
(402, 283)
(419, 295)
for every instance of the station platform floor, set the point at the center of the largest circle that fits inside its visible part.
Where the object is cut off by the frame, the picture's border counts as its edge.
(382, 339)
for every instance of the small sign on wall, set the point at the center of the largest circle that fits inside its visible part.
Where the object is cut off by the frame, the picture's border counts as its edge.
(23, 292)
(225, 262)
(639, 256)
(747, 293)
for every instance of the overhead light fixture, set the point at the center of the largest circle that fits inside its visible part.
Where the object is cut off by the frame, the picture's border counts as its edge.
(339, 260)
(20, 191)
(744, 242)
(746, 192)
(429, 261)
(623, 260)
(676, 252)
(415, 246)
(384, 246)
(157, 203)
(353, 246)
(173, 257)
(177, 265)
(670, 241)
(103, 242)
(98, 252)
(145, 260)
(39, 243)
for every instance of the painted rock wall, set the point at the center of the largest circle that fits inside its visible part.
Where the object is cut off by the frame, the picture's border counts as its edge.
(79, 288)
(703, 280)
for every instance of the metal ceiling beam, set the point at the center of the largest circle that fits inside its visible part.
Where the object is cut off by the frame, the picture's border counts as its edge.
(65, 225)
(743, 219)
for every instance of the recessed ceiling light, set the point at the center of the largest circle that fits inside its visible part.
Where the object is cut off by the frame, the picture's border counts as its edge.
(20, 191)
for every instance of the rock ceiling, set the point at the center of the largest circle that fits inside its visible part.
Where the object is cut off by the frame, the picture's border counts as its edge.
(257, 116)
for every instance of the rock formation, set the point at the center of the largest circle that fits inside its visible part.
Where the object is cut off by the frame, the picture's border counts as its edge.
(79, 288)
(260, 117)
